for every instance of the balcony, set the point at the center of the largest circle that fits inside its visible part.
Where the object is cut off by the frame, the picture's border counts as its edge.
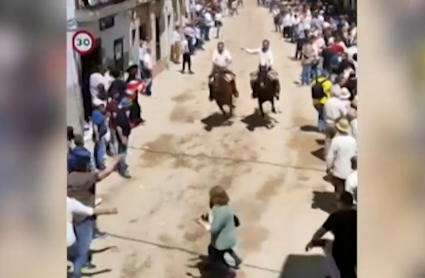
(102, 9)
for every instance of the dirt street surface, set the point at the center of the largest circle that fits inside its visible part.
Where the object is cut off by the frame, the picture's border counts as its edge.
(183, 150)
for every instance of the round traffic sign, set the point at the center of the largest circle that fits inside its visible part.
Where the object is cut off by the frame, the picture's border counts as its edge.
(83, 42)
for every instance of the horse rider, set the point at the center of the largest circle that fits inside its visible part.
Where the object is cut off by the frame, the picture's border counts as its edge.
(221, 60)
(266, 60)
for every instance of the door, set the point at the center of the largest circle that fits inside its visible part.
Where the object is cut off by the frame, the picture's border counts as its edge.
(89, 63)
(119, 53)
(158, 38)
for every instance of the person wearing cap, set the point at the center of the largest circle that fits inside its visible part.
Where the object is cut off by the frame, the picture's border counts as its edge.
(81, 185)
(99, 131)
(123, 131)
(79, 152)
(338, 158)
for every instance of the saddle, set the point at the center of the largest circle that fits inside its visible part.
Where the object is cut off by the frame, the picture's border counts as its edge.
(228, 76)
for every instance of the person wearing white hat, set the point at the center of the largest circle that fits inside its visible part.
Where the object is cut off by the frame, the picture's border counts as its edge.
(338, 159)
(345, 96)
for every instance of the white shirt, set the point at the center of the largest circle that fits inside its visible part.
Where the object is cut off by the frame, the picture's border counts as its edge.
(275, 12)
(147, 61)
(266, 58)
(295, 20)
(287, 21)
(338, 158)
(222, 60)
(307, 22)
(334, 109)
(74, 207)
(142, 50)
(218, 16)
(185, 46)
(96, 79)
(176, 37)
(108, 80)
(354, 128)
(351, 185)
(198, 7)
(209, 19)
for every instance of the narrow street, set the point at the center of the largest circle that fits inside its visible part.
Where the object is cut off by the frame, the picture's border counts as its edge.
(182, 151)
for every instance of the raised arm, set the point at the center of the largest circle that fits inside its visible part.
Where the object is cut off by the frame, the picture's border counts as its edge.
(252, 50)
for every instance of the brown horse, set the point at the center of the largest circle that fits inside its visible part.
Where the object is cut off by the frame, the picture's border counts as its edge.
(223, 91)
(265, 89)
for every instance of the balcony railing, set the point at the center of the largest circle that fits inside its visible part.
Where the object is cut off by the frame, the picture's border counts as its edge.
(85, 5)
(86, 12)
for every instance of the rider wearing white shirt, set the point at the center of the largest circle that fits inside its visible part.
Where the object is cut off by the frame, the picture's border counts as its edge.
(266, 60)
(221, 60)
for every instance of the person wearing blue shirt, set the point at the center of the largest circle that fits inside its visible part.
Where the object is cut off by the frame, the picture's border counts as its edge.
(99, 131)
(79, 152)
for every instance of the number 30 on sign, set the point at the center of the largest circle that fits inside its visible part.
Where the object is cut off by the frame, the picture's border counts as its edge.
(83, 42)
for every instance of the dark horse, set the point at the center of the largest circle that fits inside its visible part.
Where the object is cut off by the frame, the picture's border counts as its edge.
(222, 91)
(265, 89)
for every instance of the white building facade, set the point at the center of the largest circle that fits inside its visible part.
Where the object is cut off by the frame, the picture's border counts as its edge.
(118, 28)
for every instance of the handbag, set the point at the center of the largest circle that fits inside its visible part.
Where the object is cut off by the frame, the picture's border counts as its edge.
(236, 220)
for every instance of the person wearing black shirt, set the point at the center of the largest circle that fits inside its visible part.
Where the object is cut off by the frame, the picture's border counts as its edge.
(123, 130)
(343, 224)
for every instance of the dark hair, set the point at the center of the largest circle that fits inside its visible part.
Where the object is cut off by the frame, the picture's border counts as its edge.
(79, 140)
(218, 196)
(354, 162)
(346, 199)
(355, 57)
(115, 73)
(70, 133)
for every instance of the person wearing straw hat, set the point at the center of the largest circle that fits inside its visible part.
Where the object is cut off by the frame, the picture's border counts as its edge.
(345, 96)
(338, 158)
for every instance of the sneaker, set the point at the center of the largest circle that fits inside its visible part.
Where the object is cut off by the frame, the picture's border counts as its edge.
(126, 175)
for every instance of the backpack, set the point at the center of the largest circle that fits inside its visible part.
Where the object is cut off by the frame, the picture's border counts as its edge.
(317, 90)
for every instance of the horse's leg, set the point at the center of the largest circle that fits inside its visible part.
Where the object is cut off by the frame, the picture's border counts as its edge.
(260, 104)
(221, 108)
(273, 108)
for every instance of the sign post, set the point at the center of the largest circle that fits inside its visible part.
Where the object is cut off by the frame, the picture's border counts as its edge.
(83, 42)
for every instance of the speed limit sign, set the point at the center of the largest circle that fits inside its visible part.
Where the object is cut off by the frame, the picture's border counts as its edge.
(83, 42)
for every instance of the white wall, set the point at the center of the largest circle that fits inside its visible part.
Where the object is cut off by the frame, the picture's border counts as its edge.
(121, 29)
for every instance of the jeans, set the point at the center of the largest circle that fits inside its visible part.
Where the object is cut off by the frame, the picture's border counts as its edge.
(141, 70)
(122, 165)
(306, 75)
(316, 69)
(206, 33)
(320, 118)
(84, 234)
(99, 153)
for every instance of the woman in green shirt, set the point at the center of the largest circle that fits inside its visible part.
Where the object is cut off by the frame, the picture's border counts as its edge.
(222, 227)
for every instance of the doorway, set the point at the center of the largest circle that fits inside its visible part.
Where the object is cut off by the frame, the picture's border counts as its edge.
(89, 63)
(158, 38)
